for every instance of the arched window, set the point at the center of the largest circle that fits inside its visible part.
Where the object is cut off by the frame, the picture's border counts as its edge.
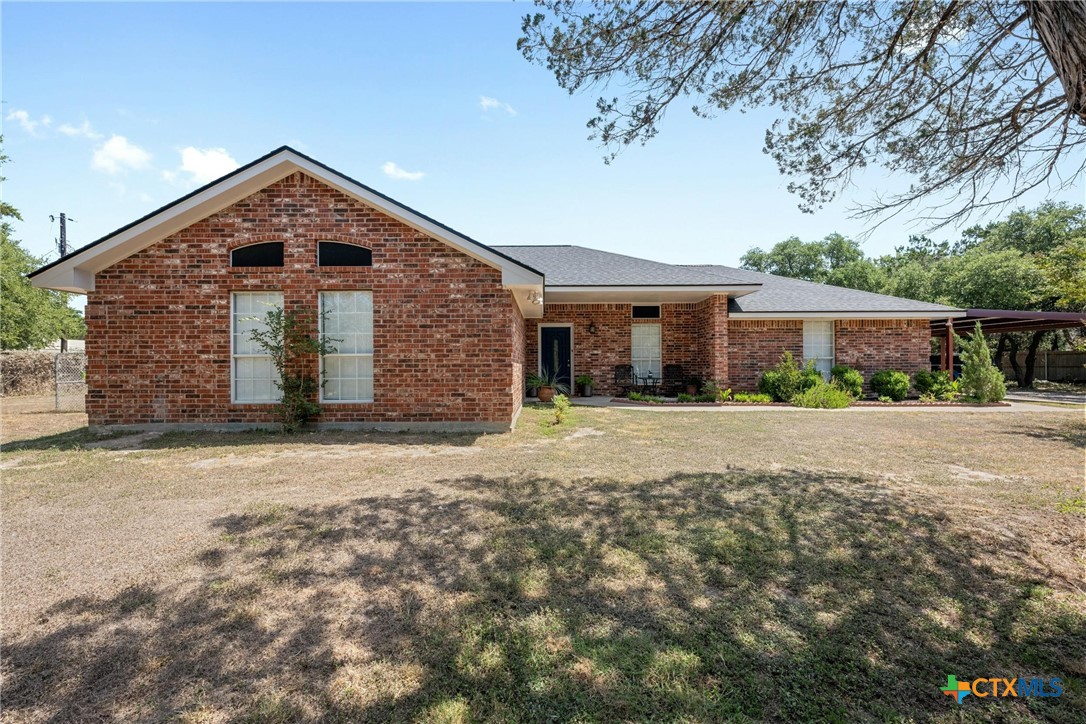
(333, 253)
(268, 254)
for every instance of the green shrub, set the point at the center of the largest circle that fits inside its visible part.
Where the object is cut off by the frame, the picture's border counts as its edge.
(890, 383)
(788, 379)
(935, 385)
(683, 397)
(981, 381)
(884, 398)
(823, 395)
(705, 397)
(714, 391)
(638, 397)
(850, 380)
(560, 407)
(752, 397)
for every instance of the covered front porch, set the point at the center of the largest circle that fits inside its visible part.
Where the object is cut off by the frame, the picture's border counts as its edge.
(620, 345)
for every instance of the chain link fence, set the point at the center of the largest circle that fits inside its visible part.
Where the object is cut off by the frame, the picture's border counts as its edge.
(70, 372)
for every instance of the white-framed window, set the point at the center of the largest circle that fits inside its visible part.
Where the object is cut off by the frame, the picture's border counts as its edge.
(818, 345)
(645, 346)
(347, 325)
(253, 376)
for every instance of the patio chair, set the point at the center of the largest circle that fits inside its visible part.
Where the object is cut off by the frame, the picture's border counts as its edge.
(624, 378)
(673, 380)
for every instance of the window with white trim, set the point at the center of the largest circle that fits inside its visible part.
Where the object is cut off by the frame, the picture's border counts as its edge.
(645, 346)
(818, 345)
(347, 326)
(253, 375)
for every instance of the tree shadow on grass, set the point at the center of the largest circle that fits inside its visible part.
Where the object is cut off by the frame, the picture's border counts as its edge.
(783, 595)
(1072, 433)
(84, 438)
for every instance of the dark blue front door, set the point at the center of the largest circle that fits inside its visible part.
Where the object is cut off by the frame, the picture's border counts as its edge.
(556, 353)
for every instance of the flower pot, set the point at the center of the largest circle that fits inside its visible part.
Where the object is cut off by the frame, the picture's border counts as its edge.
(691, 389)
(586, 390)
(546, 394)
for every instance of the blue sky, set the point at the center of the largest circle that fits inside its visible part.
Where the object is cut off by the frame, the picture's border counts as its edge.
(112, 110)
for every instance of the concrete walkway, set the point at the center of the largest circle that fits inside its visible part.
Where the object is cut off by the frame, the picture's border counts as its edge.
(1014, 406)
(1071, 398)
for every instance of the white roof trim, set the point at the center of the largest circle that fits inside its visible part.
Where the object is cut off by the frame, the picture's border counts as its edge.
(75, 272)
(954, 313)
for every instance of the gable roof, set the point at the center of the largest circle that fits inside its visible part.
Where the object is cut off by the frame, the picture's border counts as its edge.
(75, 271)
(782, 295)
(579, 266)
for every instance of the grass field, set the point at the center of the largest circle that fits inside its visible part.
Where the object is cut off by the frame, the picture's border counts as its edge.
(627, 565)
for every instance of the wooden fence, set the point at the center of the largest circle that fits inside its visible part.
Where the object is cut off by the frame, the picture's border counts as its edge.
(1053, 366)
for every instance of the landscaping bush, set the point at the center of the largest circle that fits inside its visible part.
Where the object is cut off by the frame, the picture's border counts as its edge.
(850, 380)
(752, 397)
(561, 407)
(683, 397)
(981, 381)
(638, 397)
(788, 379)
(935, 385)
(823, 395)
(715, 392)
(890, 383)
(705, 397)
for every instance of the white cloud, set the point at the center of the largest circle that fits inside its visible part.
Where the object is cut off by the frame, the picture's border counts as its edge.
(393, 171)
(491, 104)
(29, 124)
(203, 165)
(83, 130)
(118, 154)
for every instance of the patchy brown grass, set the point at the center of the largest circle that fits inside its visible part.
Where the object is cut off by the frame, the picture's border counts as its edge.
(626, 565)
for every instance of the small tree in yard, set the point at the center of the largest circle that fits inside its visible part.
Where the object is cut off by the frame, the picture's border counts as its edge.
(288, 339)
(981, 380)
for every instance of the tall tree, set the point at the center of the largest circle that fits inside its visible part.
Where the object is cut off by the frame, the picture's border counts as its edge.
(810, 260)
(968, 98)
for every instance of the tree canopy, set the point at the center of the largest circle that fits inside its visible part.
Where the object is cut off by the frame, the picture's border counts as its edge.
(977, 102)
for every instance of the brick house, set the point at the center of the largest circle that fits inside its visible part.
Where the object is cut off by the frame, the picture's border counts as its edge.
(433, 329)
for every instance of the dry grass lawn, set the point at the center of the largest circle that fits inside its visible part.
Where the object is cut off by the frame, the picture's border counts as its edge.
(627, 565)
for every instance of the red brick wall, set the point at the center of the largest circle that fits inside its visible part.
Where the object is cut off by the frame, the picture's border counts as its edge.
(756, 345)
(868, 345)
(871, 345)
(158, 322)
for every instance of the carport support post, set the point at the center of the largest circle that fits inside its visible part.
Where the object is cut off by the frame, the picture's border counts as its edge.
(950, 347)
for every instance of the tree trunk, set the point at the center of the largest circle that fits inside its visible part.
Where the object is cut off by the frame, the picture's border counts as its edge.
(1001, 349)
(1031, 359)
(1018, 376)
(1061, 28)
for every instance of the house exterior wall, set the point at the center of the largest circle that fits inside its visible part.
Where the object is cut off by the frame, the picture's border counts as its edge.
(869, 345)
(445, 331)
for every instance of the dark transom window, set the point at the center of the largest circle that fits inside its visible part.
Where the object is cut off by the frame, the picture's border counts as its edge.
(646, 312)
(332, 253)
(269, 254)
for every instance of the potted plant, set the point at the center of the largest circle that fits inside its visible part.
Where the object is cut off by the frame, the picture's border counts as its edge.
(531, 385)
(549, 383)
(693, 385)
(585, 382)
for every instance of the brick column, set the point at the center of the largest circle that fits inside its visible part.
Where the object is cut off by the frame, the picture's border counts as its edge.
(717, 339)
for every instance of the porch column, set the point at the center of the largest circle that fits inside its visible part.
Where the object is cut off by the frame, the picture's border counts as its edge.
(718, 339)
(950, 347)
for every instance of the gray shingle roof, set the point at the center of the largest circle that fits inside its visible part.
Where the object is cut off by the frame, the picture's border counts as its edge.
(783, 294)
(578, 266)
(568, 266)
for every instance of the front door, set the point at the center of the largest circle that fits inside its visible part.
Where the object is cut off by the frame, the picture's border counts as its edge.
(556, 353)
